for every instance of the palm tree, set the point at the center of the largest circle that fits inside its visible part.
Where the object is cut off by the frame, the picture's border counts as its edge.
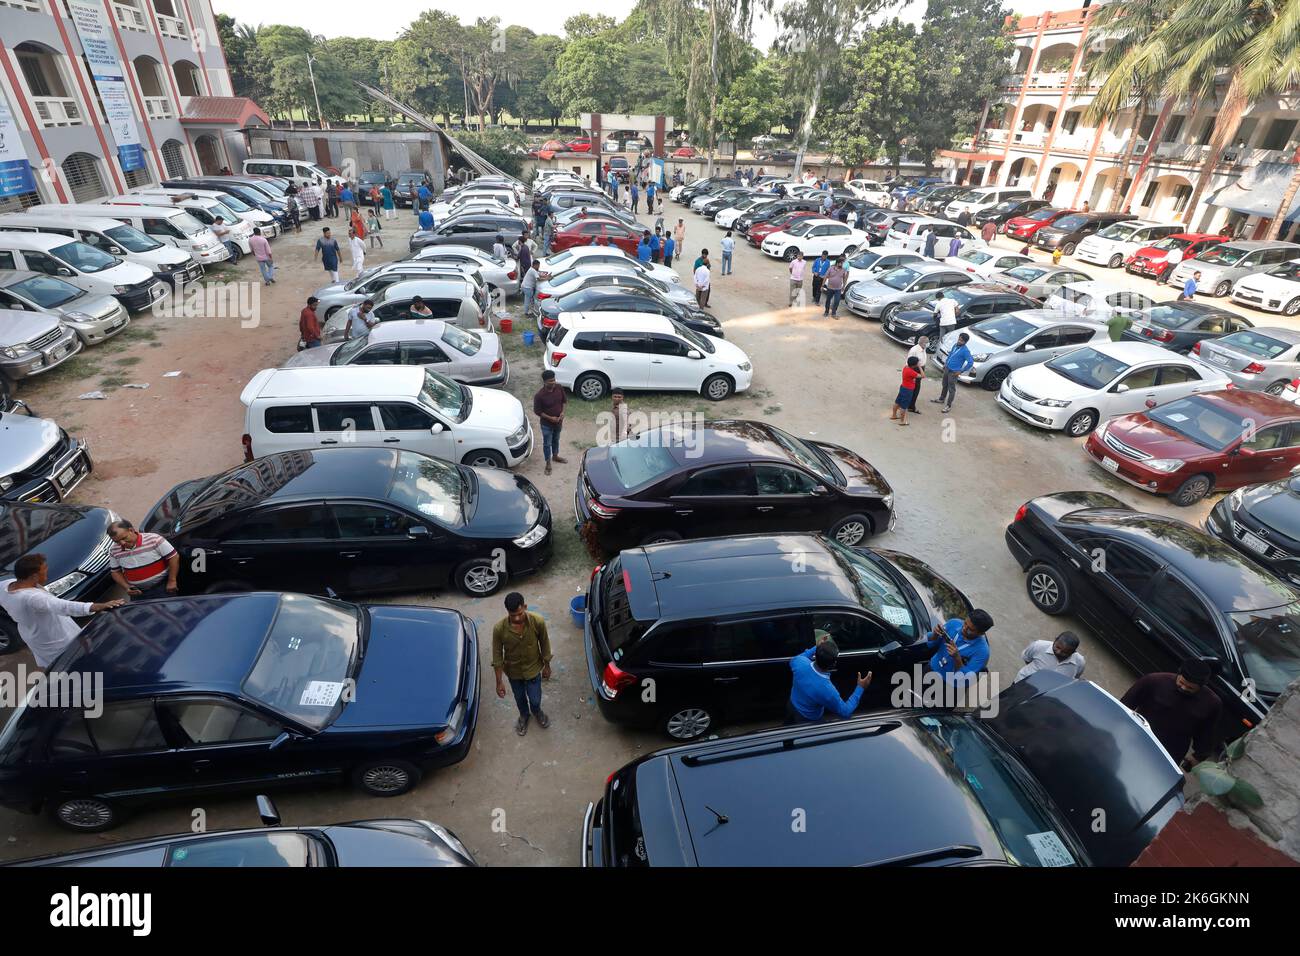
(1272, 60)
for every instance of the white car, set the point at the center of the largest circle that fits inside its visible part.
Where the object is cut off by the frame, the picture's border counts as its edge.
(1277, 290)
(592, 352)
(610, 255)
(501, 275)
(983, 261)
(1097, 301)
(870, 191)
(812, 237)
(1111, 246)
(1076, 391)
(734, 193)
(910, 232)
(727, 218)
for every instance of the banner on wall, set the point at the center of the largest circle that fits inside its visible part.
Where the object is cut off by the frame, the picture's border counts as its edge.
(90, 17)
(15, 169)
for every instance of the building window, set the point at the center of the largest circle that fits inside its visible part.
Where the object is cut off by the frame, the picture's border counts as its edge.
(174, 160)
(1279, 134)
(1207, 131)
(1181, 195)
(1070, 122)
(1147, 126)
(19, 202)
(137, 178)
(82, 172)
(1150, 195)
(1173, 128)
(44, 77)
(32, 5)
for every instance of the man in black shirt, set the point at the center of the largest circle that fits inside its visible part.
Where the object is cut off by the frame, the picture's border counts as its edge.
(1182, 711)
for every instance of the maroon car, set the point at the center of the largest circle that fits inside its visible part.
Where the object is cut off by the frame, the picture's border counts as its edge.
(1024, 227)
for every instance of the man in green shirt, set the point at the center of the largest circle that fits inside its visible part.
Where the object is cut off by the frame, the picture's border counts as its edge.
(521, 651)
(1117, 326)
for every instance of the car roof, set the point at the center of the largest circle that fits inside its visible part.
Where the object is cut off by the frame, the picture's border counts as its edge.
(1253, 244)
(1100, 287)
(1263, 409)
(617, 322)
(321, 381)
(1045, 317)
(1192, 307)
(932, 267)
(444, 286)
(402, 330)
(1134, 352)
(705, 442)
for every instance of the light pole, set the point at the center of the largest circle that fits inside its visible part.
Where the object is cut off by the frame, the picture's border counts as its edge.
(312, 74)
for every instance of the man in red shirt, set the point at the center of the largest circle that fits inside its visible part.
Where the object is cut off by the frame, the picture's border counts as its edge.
(309, 325)
(143, 563)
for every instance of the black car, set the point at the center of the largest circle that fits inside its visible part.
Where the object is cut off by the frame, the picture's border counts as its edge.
(625, 294)
(711, 625)
(772, 210)
(389, 842)
(1180, 325)
(1068, 231)
(974, 302)
(1262, 522)
(470, 229)
(726, 477)
(1160, 592)
(1010, 209)
(405, 181)
(937, 198)
(356, 521)
(229, 693)
(378, 178)
(777, 156)
(724, 200)
(700, 185)
(909, 787)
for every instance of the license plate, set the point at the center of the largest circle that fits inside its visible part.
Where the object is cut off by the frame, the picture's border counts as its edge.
(1110, 464)
(1255, 543)
(1011, 401)
(1222, 359)
(67, 476)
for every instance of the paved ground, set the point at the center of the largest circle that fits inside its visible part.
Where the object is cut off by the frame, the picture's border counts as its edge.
(958, 480)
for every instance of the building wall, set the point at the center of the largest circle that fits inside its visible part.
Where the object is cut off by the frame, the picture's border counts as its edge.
(354, 151)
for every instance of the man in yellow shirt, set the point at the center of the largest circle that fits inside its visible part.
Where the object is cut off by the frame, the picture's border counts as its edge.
(521, 653)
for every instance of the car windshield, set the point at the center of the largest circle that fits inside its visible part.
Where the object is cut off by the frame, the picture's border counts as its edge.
(1223, 255)
(865, 260)
(810, 456)
(431, 487)
(1004, 330)
(1201, 421)
(1069, 223)
(1269, 644)
(899, 278)
(1087, 367)
(640, 460)
(132, 240)
(231, 201)
(1026, 273)
(444, 396)
(187, 223)
(801, 227)
(1014, 810)
(309, 656)
(876, 591)
(84, 258)
(350, 349)
(46, 291)
(975, 256)
(1040, 215)
(701, 342)
(1254, 343)
(1006, 205)
(1288, 270)
(1169, 243)
(1168, 315)
(361, 277)
(1118, 230)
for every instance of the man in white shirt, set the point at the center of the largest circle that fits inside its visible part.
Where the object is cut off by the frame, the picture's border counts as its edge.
(947, 309)
(1061, 655)
(499, 249)
(45, 622)
(702, 283)
(359, 320)
(1173, 259)
(357, 246)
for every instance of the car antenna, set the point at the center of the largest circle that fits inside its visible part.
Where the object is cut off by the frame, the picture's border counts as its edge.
(722, 817)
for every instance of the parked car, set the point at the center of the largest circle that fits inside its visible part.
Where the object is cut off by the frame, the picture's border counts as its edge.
(684, 152)
(452, 298)
(32, 343)
(928, 788)
(1006, 211)
(1263, 523)
(94, 318)
(246, 691)
(1180, 325)
(1153, 261)
(766, 213)
(974, 302)
(866, 264)
(378, 178)
(981, 198)
(597, 232)
(471, 357)
(618, 295)
(586, 275)
(39, 461)
(913, 236)
(1004, 343)
(726, 477)
(581, 145)
(618, 165)
(887, 293)
(1067, 232)
(1277, 290)
(1223, 266)
(596, 211)
(592, 353)
(727, 217)
(935, 197)
(714, 622)
(1024, 226)
(707, 196)
(983, 261)
(500, 275)
(472, 229)
(405, 181)
(1119, 241)
(610, 256)
(759, 231)
(1039, 280)
(812, 237)
(1097, 301)
(870, 190)
(372, 283)
(1165, 594)
(1076, 391)
(1258, 359)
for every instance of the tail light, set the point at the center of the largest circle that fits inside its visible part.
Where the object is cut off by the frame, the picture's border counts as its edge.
(512, 274)
(1197, 348)
(615, 680)
(595, 571)
(557, 358)
(548, 323)
(1022, 288)
(1295, 383)
(602, 511)
(496, 366)
(1254, 368)
(247, 441)
(543, 295)
(1020, 513)
(482, 320)
(1165, 336)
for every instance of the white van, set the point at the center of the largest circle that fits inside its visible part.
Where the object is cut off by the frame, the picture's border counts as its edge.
(204, 210)
(256, 218)
(82, 265)
(167, 224)
(382, 406)
(977, 200)
(116, 238)
(299, 171)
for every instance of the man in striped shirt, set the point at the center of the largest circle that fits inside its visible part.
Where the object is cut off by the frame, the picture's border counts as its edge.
(142, 562)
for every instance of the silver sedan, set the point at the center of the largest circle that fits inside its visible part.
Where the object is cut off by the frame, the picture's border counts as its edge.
(499, 274)
(465, 355)
(1038, 280)
(373, 281)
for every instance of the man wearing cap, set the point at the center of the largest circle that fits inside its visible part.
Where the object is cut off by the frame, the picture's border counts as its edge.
(811, 692)
(1181, 710)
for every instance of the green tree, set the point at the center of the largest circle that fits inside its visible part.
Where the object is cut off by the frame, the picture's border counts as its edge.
(423, 70)
(532, 89)
(887, 80)
(590, 75)
(588, 25)
(752, 105)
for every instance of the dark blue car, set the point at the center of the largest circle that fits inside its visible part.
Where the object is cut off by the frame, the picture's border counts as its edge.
(230, 693)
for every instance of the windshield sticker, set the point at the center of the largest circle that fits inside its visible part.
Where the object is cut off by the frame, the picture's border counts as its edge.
(1177, 417)
(435, 509)
(321, 693)
(1049, 849)
(898, 616)
(1070, 365)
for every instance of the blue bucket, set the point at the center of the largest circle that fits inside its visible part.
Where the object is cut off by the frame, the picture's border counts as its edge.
(529, 337)
(578, 608)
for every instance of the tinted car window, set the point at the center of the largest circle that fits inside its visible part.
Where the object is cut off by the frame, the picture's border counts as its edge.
(715, 482)
(1185, 614)
(368, 521)
(215, 722)
(1128, 566)
(682, 645)
(780, 480)
(760, 640)
(388, 354)
(128, 726)
(251, 849)
(345, 417)
(304, 521)
(850, 632)
(398, 416)
(625, 342)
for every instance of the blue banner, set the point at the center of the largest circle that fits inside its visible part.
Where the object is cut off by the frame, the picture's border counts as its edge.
(131, 157)
(15, 170)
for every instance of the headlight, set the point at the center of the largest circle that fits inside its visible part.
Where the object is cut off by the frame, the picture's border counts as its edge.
(1101, 430)
(978, 359)
(745, 367)
(518, 435)
(6, 482)
(888, 500)
(122, 289)
(449, 838)
(1053, 402)
(1164, 464)
(77, 317)
(14, 351)
(1234, 499)
(65, 584)
(875, 300)
(453, 725)
(532, 538)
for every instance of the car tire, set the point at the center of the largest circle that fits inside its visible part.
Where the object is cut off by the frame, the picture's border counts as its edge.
(1223, 288)
(385, 778)
(789, 254)
(591, 386)
(1192, 490)
(478, 577)
(1068, 249)
(330, 312)
(686, 721)
(10, 641)
(1277, 388)
(852, 530)
(1048, 589)
(849, 251)
(85, 814)
(484, 458)
(1115, 262)
(888, 312)
(717, 388)
(659, 537)
(1292, 307)
(994, 377)
(1081, 423)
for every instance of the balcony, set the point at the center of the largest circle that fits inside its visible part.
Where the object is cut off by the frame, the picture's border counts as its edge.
(1182, 152)
(998, 136)
(58, 111)
(1031, 137)
(1079, 140)
(158, 107)
(172, 27)
(130, 18)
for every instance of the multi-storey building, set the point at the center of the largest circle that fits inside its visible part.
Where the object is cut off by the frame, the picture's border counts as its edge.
(100, 96)
(1036, 134)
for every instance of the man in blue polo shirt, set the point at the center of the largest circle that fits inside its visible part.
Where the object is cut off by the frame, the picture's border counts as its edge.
(821, 265)
(962, 647)
(426, 220)
(811, 693)
(959, 361)
(425, 194)
(1189, 287)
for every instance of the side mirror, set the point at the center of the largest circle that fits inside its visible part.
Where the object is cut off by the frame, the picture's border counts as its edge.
(1029, 347)
(267, 811)
(417, 531)
(437, 428)
(64, 272)
(281, 740)
(1121, 388)
(694, 354)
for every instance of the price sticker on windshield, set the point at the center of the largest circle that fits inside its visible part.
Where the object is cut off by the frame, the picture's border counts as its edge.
(321, 693)
(895, 615)
(1049, 849)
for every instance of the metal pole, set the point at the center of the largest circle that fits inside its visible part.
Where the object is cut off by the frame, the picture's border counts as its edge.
(312, 74)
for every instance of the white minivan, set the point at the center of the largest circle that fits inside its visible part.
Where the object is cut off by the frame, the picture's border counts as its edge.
(167, 224)
(116, 238)
(299, 171)
(977, 200)
(204, 210)
(256, 218)
(383, 406)
(82, 265)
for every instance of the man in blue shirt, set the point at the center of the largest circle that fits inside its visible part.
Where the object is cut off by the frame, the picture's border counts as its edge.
(821, 265)
(1189, 287)
(811, 693)
(962, 648)
(959, 361)
(425, 195)
(643, 249)
(426, 219)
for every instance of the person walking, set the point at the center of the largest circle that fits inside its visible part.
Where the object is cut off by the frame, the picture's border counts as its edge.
(357, 246)
(548, 406)
(931, 240)
(548, 233)
(1173, 259)
(425, 194)
(656, 247)
(291, 207)
(679, 233)
(414, 196)
(728, 245)
(327, 247)
(521, 654)
(261, 250)
(670, 249)
(821, 265)
(963, 218)
(376, 200)
(954, 246)
(1180, 709)
(959, 361)
(620, 416)
(812, 694)
(309, 324)
(1061, 655)
(797, 265)
(702, 281)
(387, 203)
(833, 287)
(45, 622)
(946, 308)
(331, 199)
(142, 563)
(989, 230)
(359, 321)
(1190, 287)
(373, 228)
(650, 197)
(906, 390)
(635, 194)
(920, 352)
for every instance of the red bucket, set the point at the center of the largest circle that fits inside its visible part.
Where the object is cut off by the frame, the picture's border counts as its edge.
(507, 325)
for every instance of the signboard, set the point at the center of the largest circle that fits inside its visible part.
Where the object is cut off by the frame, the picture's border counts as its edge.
(90, 17)
(15, 170)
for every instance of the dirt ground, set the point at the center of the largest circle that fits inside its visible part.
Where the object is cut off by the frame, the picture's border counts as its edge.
(958, 479)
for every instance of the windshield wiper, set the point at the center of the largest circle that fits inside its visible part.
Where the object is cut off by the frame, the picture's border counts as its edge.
(962, 851)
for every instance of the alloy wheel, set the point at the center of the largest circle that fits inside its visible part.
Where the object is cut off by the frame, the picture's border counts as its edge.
(850, 533)
(1044, 589)
(382, 779)
(688, 723)
(85, 814)
(481, 579)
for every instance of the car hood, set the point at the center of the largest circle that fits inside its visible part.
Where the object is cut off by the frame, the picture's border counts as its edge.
(1041, 382)
(494, 409)
(942, 599)
(505, 505)
(1276, 504)
(23, 440)
(390, 843)
(75, 534)
(1152, 253)
(412, 672)
(19, 327)
(871, 287)
(724, 351)
(310, 358)
(861, 476)
(1087, 750)
(1155, 439)
(1275, 285)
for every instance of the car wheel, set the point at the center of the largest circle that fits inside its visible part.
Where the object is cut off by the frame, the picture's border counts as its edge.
(479, 578)
(1292, 307)
(85, 814)
(591, 386)
(789, 254)
(329, 313)
(1115, 262)
(1223, 288)
(718, 387)
(385, 778)
(994, 378)
(484, 458)
(9, 639)
(1048, 589)
(851, 530)
(1082, 423)
(1067, 249)
(686, 721)
(660, 537)
(1278, 387)
(888, 312)
(849, 251)
(1192, 490)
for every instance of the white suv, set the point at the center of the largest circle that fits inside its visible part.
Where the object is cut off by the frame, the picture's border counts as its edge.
(1112, 245)
(593, 352)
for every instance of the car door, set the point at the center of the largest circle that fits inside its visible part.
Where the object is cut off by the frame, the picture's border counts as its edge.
(1266, 454)
(749, 662)
(861, 642)
(407, 426)
(428, 354)
(379, 550)
(1178, 625)
(1111, 579)
(384, 353)
(289, 547)
(625, 359)
(1180, 380)
(715, 500)
(1131, 393)
(344, 423)
(788, 499)
(1041, 346)
(671, 367)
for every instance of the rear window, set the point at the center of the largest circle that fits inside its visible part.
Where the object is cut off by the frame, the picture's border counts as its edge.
(288, 419)
(1253, 343)
(621, 629)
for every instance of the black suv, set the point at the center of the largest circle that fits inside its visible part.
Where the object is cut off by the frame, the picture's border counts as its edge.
(683, 635)
(1003, 212)
(974, 302)
(1068, 231)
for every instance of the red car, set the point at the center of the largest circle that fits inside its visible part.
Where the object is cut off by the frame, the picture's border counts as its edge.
(578, 146)
(760, 231)
(685, 152)
(596, 232)
(1150, 260)
(1024, 227)
(1215, 441)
